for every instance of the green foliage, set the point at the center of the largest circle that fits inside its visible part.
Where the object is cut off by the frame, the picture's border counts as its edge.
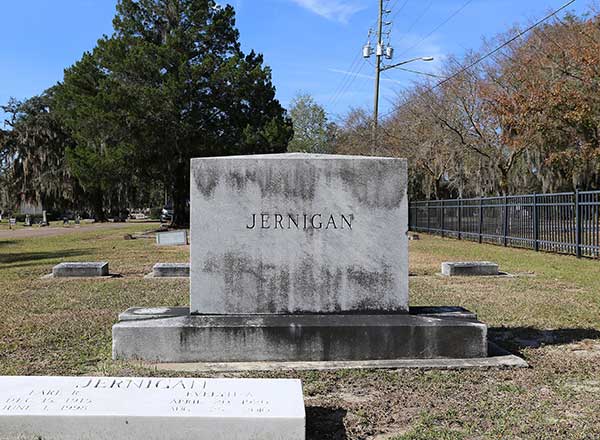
(170, 84)
(312, 132)
(32, 165)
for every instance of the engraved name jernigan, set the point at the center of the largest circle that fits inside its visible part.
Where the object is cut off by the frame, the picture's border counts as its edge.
(300, 221)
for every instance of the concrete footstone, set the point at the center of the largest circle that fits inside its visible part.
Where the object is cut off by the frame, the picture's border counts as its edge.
(81, 269)
(469, 268)
(171, 270)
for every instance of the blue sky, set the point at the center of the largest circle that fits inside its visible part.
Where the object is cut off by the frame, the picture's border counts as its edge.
(309, 44)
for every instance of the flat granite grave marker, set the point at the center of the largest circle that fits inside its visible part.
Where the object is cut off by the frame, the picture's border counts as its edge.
(469, 268)
(87, 269)
(171, 270)
(297, 257)
(175, 238)
(107, 408)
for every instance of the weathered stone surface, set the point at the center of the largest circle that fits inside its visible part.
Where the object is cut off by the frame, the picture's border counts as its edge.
(89, 269)
(247, 338)
(469, 268)
(168, 270)
(175, 238)
(104, 408)
(291, 233)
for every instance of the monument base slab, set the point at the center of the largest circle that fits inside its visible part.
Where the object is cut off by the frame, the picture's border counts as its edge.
(172, 335)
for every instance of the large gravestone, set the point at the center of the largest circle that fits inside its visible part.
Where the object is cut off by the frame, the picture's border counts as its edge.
(299, 233)
(106, 408)
(297, 257)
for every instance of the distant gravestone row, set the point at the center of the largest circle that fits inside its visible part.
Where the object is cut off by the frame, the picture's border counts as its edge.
(100, 269)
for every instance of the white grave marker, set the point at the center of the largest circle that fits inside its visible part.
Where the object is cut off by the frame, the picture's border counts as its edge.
(175, 238)
(109, 408)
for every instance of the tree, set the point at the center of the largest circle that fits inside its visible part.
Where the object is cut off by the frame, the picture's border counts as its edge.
(312, 132)
(32, 154)
(170, 84)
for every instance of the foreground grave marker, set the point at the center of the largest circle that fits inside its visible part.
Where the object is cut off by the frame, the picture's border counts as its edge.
(104, 408)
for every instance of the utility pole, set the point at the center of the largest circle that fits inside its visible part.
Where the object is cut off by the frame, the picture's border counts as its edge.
(378, 55)
(382, 49)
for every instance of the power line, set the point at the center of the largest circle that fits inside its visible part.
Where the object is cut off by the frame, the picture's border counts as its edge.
(443, 23)
(493, 52)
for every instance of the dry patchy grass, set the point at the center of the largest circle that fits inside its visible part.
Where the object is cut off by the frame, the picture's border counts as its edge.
(549, 313)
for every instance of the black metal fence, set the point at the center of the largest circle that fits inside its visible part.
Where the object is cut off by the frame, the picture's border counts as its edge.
(565, 223)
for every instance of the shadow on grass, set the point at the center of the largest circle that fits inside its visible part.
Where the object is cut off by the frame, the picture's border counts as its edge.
(7, 242)
(21, 257)
(518, 338)
(325, 423)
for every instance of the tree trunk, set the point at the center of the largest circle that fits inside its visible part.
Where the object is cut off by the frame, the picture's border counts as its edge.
(98, 206)
(181, 193)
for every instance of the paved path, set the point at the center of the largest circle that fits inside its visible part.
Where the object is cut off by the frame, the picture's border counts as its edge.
(36, 231)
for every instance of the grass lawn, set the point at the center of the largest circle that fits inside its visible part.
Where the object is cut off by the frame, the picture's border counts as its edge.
(549, 314)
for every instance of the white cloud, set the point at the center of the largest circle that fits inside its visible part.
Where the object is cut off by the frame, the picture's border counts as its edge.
(338, 10)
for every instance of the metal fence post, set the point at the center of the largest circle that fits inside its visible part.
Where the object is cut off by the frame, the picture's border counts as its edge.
(505, 234)
(427, 215)
(443, 215)
(536, 224)
(577, 224)
(481, 220)
(460, 219)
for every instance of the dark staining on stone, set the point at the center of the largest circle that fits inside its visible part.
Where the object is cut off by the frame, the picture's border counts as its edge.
(206, 179)
(375, 183)
(248, 280)
(377, 283)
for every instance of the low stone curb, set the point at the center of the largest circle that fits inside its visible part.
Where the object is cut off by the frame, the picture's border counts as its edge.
(500, 359)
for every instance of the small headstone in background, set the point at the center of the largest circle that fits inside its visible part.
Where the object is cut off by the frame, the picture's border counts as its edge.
(174, 238)
(100, 408)
(88, 269)
(414, 237)
(171, 270)
(12, 222)
(44, 219)
(27, 220)
(469, 268)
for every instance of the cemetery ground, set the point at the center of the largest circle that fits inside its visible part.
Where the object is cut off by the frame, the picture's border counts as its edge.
(548, 313)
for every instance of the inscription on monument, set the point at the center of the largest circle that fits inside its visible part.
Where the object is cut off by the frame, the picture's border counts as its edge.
(300, 221)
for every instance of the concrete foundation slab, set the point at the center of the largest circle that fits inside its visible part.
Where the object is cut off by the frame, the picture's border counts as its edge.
(88, 269)
(469, 268)
(171, 270)
(251, 338)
